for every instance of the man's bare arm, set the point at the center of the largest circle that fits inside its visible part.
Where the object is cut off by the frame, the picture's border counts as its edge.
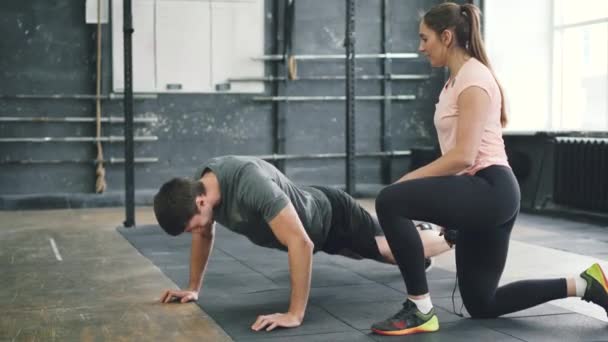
(202, 244)
(289, 230)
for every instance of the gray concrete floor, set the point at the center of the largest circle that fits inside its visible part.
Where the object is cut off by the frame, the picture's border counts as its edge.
(68, 275)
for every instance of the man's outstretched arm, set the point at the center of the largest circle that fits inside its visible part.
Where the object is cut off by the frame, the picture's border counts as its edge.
(289, 230)
(202, 244)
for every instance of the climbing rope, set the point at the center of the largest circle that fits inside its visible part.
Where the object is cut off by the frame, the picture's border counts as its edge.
(100, 183)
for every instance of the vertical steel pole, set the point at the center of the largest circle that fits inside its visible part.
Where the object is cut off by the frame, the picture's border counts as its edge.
(279, 108)
(128, 108)
(386, 143)
(350, 96)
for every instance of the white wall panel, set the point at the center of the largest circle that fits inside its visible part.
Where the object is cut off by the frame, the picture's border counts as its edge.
(183, 38)
(190, 46)
(237, 37)
(144, 64)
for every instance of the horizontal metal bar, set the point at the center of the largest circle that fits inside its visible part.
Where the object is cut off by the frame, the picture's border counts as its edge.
(409, 77)
(590, 140)
(334, 155)
(74, 119)
(110, 139)
(112, 96)
(334, 98)
(78, 161)
(330, 78)
(404, 55)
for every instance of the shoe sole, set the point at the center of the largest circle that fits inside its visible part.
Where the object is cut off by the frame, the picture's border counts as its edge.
(431, 325)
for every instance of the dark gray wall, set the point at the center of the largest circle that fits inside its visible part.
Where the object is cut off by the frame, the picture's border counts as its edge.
(47, 49)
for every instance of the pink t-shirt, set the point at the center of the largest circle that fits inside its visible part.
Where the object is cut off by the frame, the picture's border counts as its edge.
(492, 148)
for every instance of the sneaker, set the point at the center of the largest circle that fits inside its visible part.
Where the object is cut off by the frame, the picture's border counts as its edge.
(597, 286)
(409, 320)
(428, 264)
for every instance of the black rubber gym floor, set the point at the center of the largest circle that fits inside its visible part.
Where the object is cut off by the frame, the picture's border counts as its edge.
(347, 296)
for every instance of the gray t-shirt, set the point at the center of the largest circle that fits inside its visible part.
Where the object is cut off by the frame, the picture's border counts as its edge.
(253, 192)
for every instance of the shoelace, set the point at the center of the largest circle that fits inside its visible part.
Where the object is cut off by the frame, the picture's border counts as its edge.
(453, 302)
(408, 307)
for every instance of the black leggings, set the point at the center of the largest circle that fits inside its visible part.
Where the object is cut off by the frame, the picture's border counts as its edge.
(483, 209)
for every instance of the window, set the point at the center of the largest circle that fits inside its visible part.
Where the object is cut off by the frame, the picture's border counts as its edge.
(191, 46)
(554, 68)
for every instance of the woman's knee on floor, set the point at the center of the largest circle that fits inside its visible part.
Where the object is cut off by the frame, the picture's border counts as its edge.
(480, 309)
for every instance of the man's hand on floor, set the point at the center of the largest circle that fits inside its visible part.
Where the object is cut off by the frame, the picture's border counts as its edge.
(285, 320)
(179, 296)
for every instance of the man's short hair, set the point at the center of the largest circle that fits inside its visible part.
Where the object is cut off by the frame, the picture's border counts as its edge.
(174, 204)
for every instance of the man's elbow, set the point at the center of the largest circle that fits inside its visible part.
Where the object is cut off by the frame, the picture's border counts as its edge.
(302, 243)
(308, 244)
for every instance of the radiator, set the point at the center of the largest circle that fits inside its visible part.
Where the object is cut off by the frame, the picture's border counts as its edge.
(581, 173)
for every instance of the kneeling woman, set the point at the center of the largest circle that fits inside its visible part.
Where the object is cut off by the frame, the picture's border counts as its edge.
(470, 188)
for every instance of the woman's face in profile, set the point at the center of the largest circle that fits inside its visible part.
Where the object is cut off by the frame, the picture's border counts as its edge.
(432, 46)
